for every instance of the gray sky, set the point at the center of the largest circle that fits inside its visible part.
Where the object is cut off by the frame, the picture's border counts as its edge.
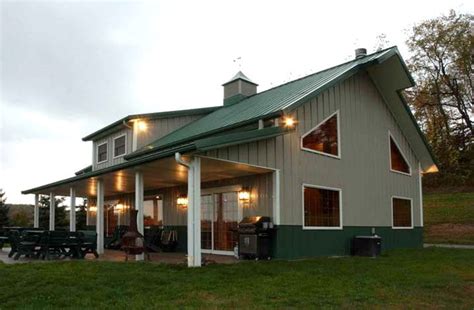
(69, 67)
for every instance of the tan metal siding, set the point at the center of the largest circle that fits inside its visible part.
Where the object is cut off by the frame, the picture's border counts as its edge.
(110, 149)
(158, 128)
(363, 171)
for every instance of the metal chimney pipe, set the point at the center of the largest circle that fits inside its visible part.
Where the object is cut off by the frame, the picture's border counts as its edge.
(360, 52)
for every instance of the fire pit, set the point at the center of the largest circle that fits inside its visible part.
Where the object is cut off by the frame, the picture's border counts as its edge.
(133, 243)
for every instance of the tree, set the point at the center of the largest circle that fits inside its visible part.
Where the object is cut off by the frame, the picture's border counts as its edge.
(443, 98)
(20, 219)
(60, 218)
(81, 215)
(4, 222)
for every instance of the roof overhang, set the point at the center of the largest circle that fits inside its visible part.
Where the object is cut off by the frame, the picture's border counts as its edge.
(157, 174)
(121, 123)
(390, 76)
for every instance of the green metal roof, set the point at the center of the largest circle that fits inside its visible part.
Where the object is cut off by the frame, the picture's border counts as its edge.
(106, 130)
(273, 102)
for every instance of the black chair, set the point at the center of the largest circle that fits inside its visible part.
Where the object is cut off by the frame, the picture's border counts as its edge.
(25, 243)
(88, 243)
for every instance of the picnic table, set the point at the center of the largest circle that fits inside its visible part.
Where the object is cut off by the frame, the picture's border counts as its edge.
(35, 243)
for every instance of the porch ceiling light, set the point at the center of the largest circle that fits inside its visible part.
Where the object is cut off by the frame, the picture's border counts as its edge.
(289, 121)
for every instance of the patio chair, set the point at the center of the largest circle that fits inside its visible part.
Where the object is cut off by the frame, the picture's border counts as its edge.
(3, 238)
(14, 240)
(26, 243)
(153, 238)
(54, 243)
(88, 243)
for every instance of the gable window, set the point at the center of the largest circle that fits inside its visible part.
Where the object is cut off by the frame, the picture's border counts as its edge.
(398, 162)
(402, 213)
(102, 152)
(324, 138)
(119, 146)
(321, 208)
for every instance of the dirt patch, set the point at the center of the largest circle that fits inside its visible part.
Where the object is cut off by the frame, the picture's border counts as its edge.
(448, 232)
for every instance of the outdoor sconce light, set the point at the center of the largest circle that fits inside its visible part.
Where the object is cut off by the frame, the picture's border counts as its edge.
(244, 195)
(119, 208)
(142, 126)
(93, 209)
(182, 201)
(289, 121)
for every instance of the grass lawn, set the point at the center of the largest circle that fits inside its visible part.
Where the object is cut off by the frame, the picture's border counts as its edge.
(449, 218)
(424, 278)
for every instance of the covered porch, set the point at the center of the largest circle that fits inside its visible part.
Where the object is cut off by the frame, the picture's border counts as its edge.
(201, 198)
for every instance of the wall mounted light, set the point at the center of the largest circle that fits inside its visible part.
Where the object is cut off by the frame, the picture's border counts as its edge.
(244, 195)
(182, 201)
(289, 121)
(142, 126)
(93, 209)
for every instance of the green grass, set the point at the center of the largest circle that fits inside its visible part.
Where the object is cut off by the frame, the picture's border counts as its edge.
(424, 278)
(449, 218)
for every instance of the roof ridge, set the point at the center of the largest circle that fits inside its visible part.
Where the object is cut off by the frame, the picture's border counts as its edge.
(321, 71)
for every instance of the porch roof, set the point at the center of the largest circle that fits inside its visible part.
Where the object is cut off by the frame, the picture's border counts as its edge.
(85, 181)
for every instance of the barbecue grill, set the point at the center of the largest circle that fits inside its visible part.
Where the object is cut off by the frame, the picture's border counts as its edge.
(255, 237)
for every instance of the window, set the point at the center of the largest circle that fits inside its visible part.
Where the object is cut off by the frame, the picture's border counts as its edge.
(153, 211)
(119, 146)
(321, 208)
(398, 163)
(102, 152)
(401, 213)
(324, 138)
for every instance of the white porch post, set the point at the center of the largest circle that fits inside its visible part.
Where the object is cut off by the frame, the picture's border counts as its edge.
(194, 213)
(51, 211)
(276, 197)
(100, 217)
(36, 213)
(72, 212)
(139, 207)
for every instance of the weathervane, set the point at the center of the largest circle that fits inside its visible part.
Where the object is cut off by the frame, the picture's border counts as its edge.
(238, 61)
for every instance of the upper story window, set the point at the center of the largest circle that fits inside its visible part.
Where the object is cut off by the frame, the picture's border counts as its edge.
(102, 152)
(324, 138)
(119, 146)
(402, 213)
(398, 162)
(321, 208)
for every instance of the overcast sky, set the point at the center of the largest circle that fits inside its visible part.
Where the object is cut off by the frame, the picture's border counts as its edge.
(69, 68)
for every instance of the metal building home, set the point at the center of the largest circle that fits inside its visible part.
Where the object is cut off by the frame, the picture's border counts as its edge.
(328, 156)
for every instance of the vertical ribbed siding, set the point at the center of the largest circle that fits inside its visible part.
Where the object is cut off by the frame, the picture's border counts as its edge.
(158, 128)
(363, 172)
(111, 161)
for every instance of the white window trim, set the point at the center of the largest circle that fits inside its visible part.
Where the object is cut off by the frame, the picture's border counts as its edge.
(340, 208)
(106, 154)
(338, 156)
(411, 212)
(113, 149)
(401, 152)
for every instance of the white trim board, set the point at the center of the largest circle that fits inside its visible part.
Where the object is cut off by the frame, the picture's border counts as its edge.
(411, 212)
(390, 136)
(340, 208)
(338, 156)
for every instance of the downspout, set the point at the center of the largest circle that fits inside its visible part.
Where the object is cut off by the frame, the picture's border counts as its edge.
(179, 159)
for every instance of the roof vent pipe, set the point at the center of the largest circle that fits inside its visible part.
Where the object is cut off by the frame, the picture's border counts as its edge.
(360, 52)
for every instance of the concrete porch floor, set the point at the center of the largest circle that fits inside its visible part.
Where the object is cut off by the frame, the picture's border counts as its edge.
(119, 256)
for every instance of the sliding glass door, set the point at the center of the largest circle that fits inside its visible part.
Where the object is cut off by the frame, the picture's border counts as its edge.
(220, 215)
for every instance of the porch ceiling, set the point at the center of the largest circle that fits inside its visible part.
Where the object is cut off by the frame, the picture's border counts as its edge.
(156, 174)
